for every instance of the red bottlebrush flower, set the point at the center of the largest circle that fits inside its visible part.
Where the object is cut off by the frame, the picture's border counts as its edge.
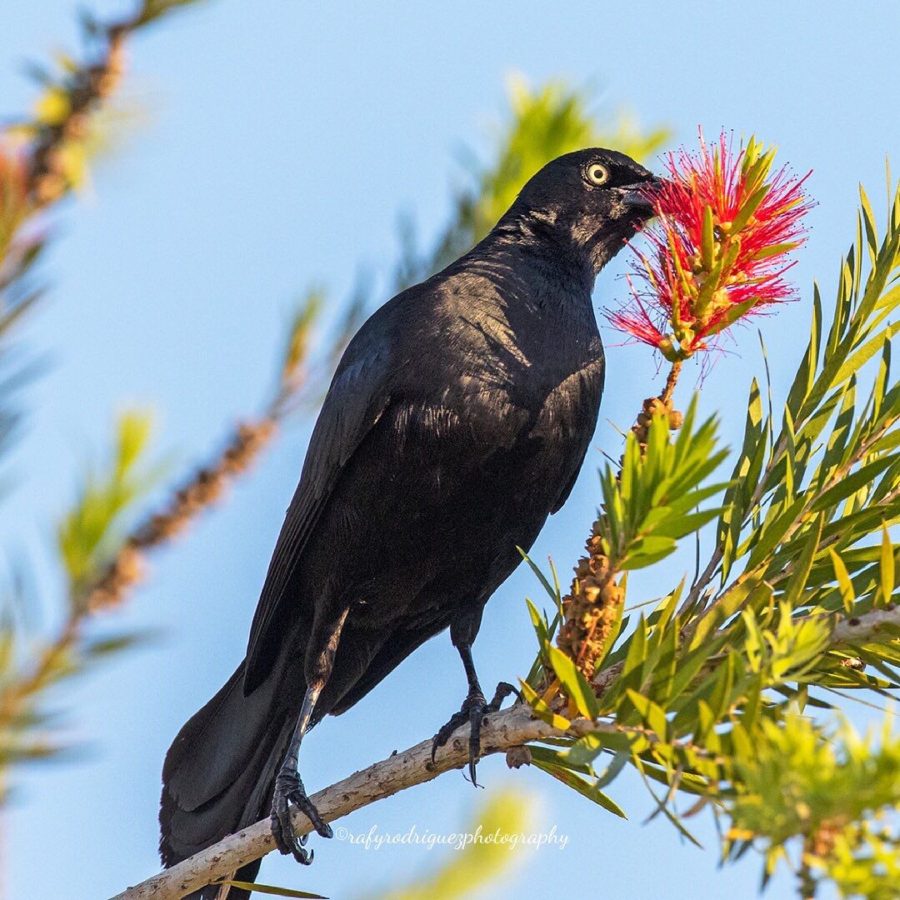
(725, 225)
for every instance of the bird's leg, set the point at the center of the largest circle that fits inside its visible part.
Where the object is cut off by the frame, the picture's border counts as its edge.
(288, 785)
(289, 789)
(473, 710)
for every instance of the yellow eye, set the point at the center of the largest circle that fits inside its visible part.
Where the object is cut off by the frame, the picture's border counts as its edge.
(597, 173)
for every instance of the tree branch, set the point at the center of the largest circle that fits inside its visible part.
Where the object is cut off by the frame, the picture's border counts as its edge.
(866, 627)
(504, 730)
(82, 91)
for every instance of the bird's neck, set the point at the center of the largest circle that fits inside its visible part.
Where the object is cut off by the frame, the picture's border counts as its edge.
(533, 248)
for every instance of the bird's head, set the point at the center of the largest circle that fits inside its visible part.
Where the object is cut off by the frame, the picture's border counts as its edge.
(590, 201)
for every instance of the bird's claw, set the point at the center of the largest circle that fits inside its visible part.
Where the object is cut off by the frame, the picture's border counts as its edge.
(473, 711)
(289, 789)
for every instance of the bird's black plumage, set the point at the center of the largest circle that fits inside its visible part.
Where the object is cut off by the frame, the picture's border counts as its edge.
(457, 421)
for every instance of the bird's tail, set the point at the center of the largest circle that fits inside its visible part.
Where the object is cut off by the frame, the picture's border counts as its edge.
(220, 770)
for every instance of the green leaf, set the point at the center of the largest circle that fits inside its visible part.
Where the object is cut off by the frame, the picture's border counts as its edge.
(584, 751)
(803, 564)
(544, 632)
(774, 531)
(620, 760)
(653, 714)
(90, 534)
(633, 670)
(852, 483)
(858, 359)
(651, 505)
(869, 221)
(707, 243)
(751, 592)
(276, 891)
(681, 525)
(750, 206)
(585, 788)
(134, 429)
(887, 566)
(574, 683)
(541, 710)
(539, 623)
(551, 592)
(690, 664)
(744, 479)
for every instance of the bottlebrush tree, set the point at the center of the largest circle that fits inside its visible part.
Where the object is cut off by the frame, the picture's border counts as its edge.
(725, 694)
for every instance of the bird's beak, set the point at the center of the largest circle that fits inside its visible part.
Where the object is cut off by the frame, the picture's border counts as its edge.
(639, 196)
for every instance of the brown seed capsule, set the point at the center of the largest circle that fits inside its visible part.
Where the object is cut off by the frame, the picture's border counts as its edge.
(516, 757)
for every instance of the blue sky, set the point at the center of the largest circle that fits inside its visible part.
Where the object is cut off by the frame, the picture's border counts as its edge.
(275, 144)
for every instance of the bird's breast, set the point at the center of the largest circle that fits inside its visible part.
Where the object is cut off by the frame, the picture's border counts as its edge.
(486, 413)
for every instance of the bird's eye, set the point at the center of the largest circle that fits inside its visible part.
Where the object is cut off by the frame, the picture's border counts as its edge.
(597, 173)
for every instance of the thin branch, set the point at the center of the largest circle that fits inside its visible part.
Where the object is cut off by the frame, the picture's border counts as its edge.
(186, 502)
(672, 379)
(85, 89)
(17, 693)
(865, 628)
(112, 586)
(36, 156)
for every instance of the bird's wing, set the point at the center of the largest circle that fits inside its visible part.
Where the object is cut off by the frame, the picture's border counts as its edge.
(586, 389)
(358, 396)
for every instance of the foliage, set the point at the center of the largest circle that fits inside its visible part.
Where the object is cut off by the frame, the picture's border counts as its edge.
(41, 161)
(45, 157)
(834, 798)
(650, 500)
(796, 607)
(87, 537)
(88, 532)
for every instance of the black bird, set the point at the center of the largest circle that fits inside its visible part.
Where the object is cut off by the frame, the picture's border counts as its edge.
(456, 422)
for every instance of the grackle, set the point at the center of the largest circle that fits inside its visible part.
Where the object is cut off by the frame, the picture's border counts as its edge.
(456, 423)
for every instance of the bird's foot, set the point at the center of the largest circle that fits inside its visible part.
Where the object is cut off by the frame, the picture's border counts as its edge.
(289, 789)
(474, 710)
